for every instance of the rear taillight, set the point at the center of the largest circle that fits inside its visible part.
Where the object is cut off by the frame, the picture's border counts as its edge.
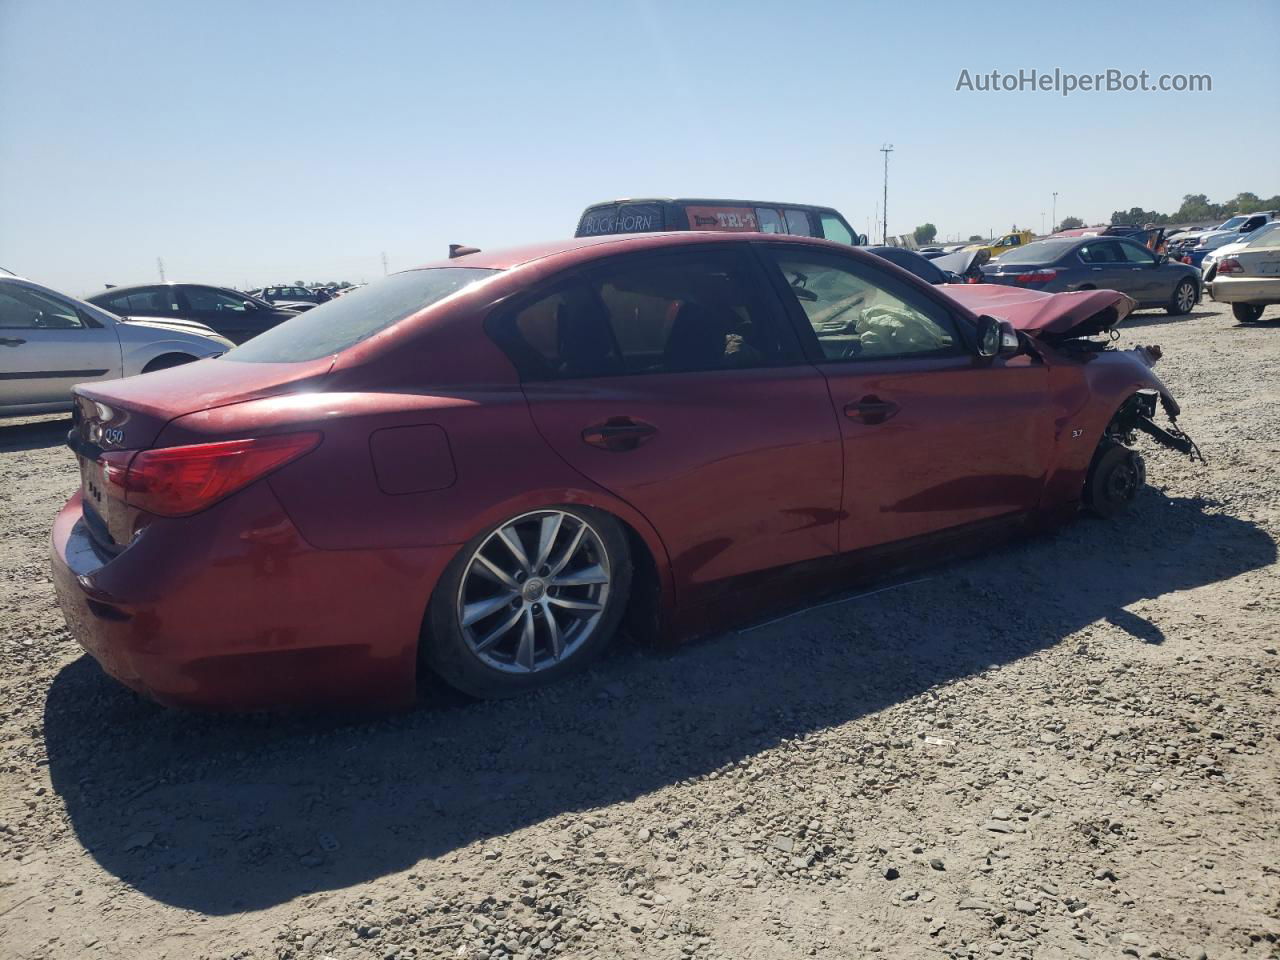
(177, 481)
(1035, 276)
(1186, 259)
(1230, 265)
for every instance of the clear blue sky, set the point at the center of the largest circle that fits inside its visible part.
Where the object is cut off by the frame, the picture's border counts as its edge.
(250, 142)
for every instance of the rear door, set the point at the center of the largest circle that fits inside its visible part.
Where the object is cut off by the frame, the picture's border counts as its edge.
(1105, 266)
(671, 380)
(48, 345)
(934, 437)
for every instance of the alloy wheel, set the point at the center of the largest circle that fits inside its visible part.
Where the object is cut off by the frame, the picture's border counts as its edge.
(534, 591)
(1186, 297)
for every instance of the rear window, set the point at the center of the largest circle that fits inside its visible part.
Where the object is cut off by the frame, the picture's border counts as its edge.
(338, 324)
(1041, 251)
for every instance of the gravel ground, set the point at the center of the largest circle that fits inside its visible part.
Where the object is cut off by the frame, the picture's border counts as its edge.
(1063, 748)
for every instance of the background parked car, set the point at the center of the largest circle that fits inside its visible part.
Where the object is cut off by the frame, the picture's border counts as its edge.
(915, 263)
(1099, 263)
(294, 297)
(1217, 239)
(50, 342)
(737, 216)
(236, 316)
(1183, 243)
(1009, 241)
(1249, 280)
(1209, 265)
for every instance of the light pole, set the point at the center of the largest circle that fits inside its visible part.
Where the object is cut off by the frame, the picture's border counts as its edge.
(1055, 209)
(884, 230)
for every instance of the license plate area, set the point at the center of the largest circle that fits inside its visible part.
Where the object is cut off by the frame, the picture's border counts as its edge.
(101, 510)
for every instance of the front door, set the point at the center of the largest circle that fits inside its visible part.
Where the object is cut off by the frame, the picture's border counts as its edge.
(1149, 284)
(236, 318)
(671, 380)
(934, 437)
(47, 346)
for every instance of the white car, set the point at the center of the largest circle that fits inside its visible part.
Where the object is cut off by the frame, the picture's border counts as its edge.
(1250, 280)
(1209, 265)
(50, 342)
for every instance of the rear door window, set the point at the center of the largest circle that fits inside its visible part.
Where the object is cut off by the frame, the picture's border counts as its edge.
(674, 313)
(769, 220)
(798, 223)
(146, 301)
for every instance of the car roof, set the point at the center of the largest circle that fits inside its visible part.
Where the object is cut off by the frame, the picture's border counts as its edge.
(712, 201)
(582, 249)
(161, 283)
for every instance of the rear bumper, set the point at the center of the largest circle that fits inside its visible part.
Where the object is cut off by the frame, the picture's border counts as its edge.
(1264, 290)
(232, 609)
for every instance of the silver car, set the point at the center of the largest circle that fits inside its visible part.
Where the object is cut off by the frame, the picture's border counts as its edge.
(49, 342)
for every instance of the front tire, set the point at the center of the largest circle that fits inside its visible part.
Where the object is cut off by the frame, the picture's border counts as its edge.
(1184, 298)
(529, 601)
(1247, 312)
(1116, 476)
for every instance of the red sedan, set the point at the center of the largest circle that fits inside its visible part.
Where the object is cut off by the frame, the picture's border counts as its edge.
(480, 466)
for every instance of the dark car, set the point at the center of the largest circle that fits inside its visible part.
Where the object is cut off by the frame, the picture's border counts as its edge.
(1059, 264)
(731, 216)
(915, 263)
(294, 294)
(236, 316)
(320, 512)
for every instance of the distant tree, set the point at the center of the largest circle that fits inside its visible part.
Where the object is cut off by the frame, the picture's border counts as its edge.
(1071, 223)
(298, 283)
(925, 233)
(976, 236)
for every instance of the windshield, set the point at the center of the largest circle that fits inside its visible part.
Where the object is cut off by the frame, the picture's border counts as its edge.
(338, 324)
(1041, 251)
(1232, 223)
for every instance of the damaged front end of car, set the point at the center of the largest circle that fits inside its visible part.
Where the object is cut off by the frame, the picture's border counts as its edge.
(1138, 414)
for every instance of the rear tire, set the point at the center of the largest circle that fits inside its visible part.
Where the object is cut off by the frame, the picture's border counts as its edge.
(1116, 476)
(167, 360)
(1184, 298)
(570, 600)
(1247, 312)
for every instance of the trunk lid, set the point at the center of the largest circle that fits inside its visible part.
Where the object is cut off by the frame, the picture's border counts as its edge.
(129, 414)
(112, 420)
(1048, 316)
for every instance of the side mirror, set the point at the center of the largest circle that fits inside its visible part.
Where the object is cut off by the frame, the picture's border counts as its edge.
(250, 305)
(997, 338)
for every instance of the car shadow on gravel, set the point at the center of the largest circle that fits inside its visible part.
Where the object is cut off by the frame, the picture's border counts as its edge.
(33, 434)
(1159, 318)
(222, 815)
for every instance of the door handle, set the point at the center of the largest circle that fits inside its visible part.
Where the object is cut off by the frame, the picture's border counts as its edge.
(871, 410)
(619, 434)
(11, 342)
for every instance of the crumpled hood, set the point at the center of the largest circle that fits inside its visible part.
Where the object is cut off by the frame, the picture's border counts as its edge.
(1081, 313)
